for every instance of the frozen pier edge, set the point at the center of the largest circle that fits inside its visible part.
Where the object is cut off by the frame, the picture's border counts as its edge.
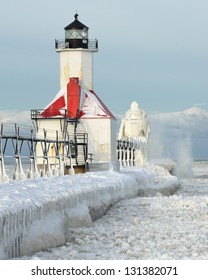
(36, 214)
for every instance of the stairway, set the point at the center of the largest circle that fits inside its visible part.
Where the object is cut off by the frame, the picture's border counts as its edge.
(80, 138)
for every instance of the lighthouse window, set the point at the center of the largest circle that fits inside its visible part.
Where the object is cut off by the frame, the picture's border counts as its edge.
(84, 33)
(73, 34)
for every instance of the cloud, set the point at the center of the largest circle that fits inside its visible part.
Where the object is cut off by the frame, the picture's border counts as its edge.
(15, 116)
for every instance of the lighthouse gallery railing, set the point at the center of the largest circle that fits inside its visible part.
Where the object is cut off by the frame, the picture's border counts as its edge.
(61, 44)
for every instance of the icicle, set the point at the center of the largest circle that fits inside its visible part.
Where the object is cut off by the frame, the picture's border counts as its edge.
(36, 173)
(120, 156)
(18, 174)
(55, 171)
(124, 154)
(30, 173)
(71, 171)
(3, 176)
(21, 172)
(49, 172)
(33, 171)
(61, 167)
(128, 153)
(42, 173)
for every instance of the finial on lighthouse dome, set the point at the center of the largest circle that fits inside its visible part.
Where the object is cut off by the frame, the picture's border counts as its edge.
(76, 16)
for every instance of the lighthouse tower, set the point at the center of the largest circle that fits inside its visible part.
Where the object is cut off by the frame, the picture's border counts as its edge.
(76, 54)
(76, 113)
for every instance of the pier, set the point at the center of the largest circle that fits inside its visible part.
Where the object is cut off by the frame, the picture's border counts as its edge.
(59, 156)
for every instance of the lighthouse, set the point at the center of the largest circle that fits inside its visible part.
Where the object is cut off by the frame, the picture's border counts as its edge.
(76, 115)
(76, 54)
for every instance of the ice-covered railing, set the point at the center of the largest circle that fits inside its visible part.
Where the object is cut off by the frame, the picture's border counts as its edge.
(132, 152)
(132, 144)
(18, 144)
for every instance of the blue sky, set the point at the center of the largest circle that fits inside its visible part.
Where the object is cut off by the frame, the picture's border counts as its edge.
(154, 52)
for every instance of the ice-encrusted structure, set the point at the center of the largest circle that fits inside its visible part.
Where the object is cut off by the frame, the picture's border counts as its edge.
(133, 137)
(3, 176)
(37, 214)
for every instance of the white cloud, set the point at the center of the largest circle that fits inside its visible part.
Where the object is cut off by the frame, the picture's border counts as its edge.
(15, 116)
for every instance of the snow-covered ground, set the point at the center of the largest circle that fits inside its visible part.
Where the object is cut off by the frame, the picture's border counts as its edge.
(150, 227)
(36, 214)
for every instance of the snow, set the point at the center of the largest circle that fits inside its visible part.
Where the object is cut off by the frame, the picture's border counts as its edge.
(141, 228)
(153, 227)
(36, 214)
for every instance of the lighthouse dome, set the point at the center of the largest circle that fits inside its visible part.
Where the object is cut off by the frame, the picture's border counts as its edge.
(76, 34)
(76, 24)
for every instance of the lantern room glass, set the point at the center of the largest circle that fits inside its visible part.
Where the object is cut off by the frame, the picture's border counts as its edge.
(76, 34)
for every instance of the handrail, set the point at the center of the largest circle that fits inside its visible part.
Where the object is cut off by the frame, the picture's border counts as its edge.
(61, 44)
(37, 113)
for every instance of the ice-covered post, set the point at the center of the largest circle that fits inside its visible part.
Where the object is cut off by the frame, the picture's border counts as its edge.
(46, 164)
(3, 175)
(120, 153)
(60, 156)
(131, 152)
(19, 173)
(33, 170)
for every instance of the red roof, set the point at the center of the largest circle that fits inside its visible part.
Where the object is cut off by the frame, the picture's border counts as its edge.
(79, 103)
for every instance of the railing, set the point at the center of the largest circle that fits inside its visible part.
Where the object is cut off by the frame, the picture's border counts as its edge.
(61, 44)
(55, 152)
(47, 114)
(132, 152)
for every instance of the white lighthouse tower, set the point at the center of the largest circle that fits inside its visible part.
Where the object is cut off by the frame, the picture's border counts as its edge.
(77, 113)
(76, 54)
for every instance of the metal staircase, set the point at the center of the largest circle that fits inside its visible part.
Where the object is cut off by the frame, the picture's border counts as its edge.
(79, 141)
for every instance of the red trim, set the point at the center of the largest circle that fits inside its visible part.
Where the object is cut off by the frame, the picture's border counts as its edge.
(107, 111)
(73, 98)
(54, 108)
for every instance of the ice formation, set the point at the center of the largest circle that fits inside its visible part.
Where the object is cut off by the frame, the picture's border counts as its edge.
(36, 214)
(133, 137)
(3, 175)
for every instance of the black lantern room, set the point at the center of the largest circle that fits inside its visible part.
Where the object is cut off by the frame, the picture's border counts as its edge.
(76, 34)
